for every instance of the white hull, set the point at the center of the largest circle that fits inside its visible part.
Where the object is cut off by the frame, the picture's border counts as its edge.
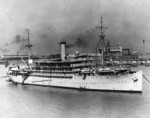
(127, 82)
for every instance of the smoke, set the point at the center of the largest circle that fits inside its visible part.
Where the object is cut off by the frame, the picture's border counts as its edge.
(85, 41)
(19, 39)
(81, 43)
(14, 45)
(74, 21)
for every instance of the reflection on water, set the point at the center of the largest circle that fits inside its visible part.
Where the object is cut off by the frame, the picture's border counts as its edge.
(18, 101)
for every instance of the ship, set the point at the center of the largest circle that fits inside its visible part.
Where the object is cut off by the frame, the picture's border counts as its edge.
(82, 71)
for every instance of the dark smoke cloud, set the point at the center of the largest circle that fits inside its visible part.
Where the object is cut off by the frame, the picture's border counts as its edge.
(19, 39)
(17, 43)
(51, 21)
(80, 42)
(70, 46)
(85, 41)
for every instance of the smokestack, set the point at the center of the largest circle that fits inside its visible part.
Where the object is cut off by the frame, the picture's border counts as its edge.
(63, 50)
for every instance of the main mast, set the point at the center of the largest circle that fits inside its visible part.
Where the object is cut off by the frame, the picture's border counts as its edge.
(101, 41)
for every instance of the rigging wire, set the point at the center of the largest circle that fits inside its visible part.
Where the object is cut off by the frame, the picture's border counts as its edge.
(146, 78)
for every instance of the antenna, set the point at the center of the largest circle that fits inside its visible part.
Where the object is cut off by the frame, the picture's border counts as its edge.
(102, 40)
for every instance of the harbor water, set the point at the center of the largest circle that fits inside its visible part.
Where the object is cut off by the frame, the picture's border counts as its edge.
(25, 101)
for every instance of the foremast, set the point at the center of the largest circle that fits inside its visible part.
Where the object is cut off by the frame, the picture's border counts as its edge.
(26, 49)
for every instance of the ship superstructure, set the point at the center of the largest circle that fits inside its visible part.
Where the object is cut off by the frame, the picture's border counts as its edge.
(80, 71)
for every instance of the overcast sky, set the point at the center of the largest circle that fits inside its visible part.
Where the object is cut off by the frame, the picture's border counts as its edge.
(52, 21)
